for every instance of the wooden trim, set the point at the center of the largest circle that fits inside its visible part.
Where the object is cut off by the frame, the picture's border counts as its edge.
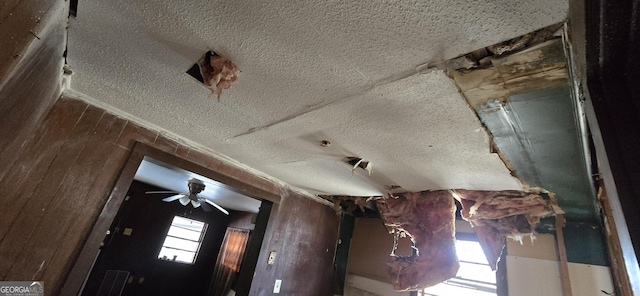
(91, 248)
(562, 254)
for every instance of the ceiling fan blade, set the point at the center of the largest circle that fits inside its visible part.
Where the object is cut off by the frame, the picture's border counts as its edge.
(205, 206)
(216, 205)
(172, 198)
(195, 204)
(184, 200)
(156, 192)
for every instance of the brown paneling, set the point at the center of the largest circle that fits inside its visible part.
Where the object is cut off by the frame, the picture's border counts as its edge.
(166, 145)
(33, 162)
(21, 22)
(38, 201)
(199, 157)
(35, 79)
(303, 233)
(132, 133)
(66, 204)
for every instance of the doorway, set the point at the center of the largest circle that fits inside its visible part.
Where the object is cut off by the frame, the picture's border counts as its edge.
(129, 259)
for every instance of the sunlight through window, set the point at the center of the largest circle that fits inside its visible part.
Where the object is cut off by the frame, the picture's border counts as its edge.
(474, 278)
(183, 240)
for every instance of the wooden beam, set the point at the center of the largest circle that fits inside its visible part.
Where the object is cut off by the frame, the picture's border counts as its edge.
(562, 254)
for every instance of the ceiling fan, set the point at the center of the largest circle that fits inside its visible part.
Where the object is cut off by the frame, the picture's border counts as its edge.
(195, 187)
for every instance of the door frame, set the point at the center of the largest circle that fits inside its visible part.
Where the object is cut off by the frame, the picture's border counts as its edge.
(83, 264)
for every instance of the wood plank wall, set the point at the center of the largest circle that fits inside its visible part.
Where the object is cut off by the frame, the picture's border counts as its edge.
(60, 181)
(304, 236)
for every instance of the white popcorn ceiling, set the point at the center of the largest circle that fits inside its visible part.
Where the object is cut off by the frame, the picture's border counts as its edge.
(343, 71)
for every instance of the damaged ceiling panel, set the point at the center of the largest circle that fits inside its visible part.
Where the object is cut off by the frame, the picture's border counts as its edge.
(311, 71)
(418, 133)
(525, 102)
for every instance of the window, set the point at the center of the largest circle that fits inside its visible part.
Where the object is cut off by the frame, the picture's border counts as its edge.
(183, 240)
(474, 278)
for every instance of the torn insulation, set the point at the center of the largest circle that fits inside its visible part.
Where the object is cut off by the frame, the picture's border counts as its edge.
(218, 73)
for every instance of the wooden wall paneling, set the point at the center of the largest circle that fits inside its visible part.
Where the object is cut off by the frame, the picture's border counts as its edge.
(39, 200)
(33, 75)
(166, 145)
(199, 157)
(84, 260)
(32, 164)
(63, 260)
(304, 236)
(19, 19)
(68, 202)
(133, 133)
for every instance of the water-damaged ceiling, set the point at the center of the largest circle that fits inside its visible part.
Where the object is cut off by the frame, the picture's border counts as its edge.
(344, 72)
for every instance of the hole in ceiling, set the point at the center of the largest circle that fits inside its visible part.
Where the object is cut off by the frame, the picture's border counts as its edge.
(73, 8)
(214, 72)
(194, 72)
(325, 143)
(356, 160)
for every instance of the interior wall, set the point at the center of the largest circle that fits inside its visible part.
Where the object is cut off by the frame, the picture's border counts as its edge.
(149, 219)
(303, 234)
(30, 69)
(533, 269)
(371, 245)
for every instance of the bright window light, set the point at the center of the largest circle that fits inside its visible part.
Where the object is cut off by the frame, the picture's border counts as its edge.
(474, 278)
(183, 240)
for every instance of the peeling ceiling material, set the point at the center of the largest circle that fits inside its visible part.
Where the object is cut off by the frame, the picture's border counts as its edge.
(428, 219)
(311, 71)
(496, 215)
(526, 104)
(539, 67)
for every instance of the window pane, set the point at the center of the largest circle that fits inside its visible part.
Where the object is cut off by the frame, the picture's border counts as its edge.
(476, 272)
(178, 243)
(183, 240)
(187, 223)
(470, 251)
(184, 233)
(474, 278)
(180, 256)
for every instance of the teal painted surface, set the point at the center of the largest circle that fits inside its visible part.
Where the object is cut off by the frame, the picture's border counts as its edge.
(585, 243)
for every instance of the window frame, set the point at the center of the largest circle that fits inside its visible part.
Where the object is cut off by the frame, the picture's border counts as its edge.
(199, 242)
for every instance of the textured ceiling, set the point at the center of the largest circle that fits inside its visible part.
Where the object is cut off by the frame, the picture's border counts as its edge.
(310, 71)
